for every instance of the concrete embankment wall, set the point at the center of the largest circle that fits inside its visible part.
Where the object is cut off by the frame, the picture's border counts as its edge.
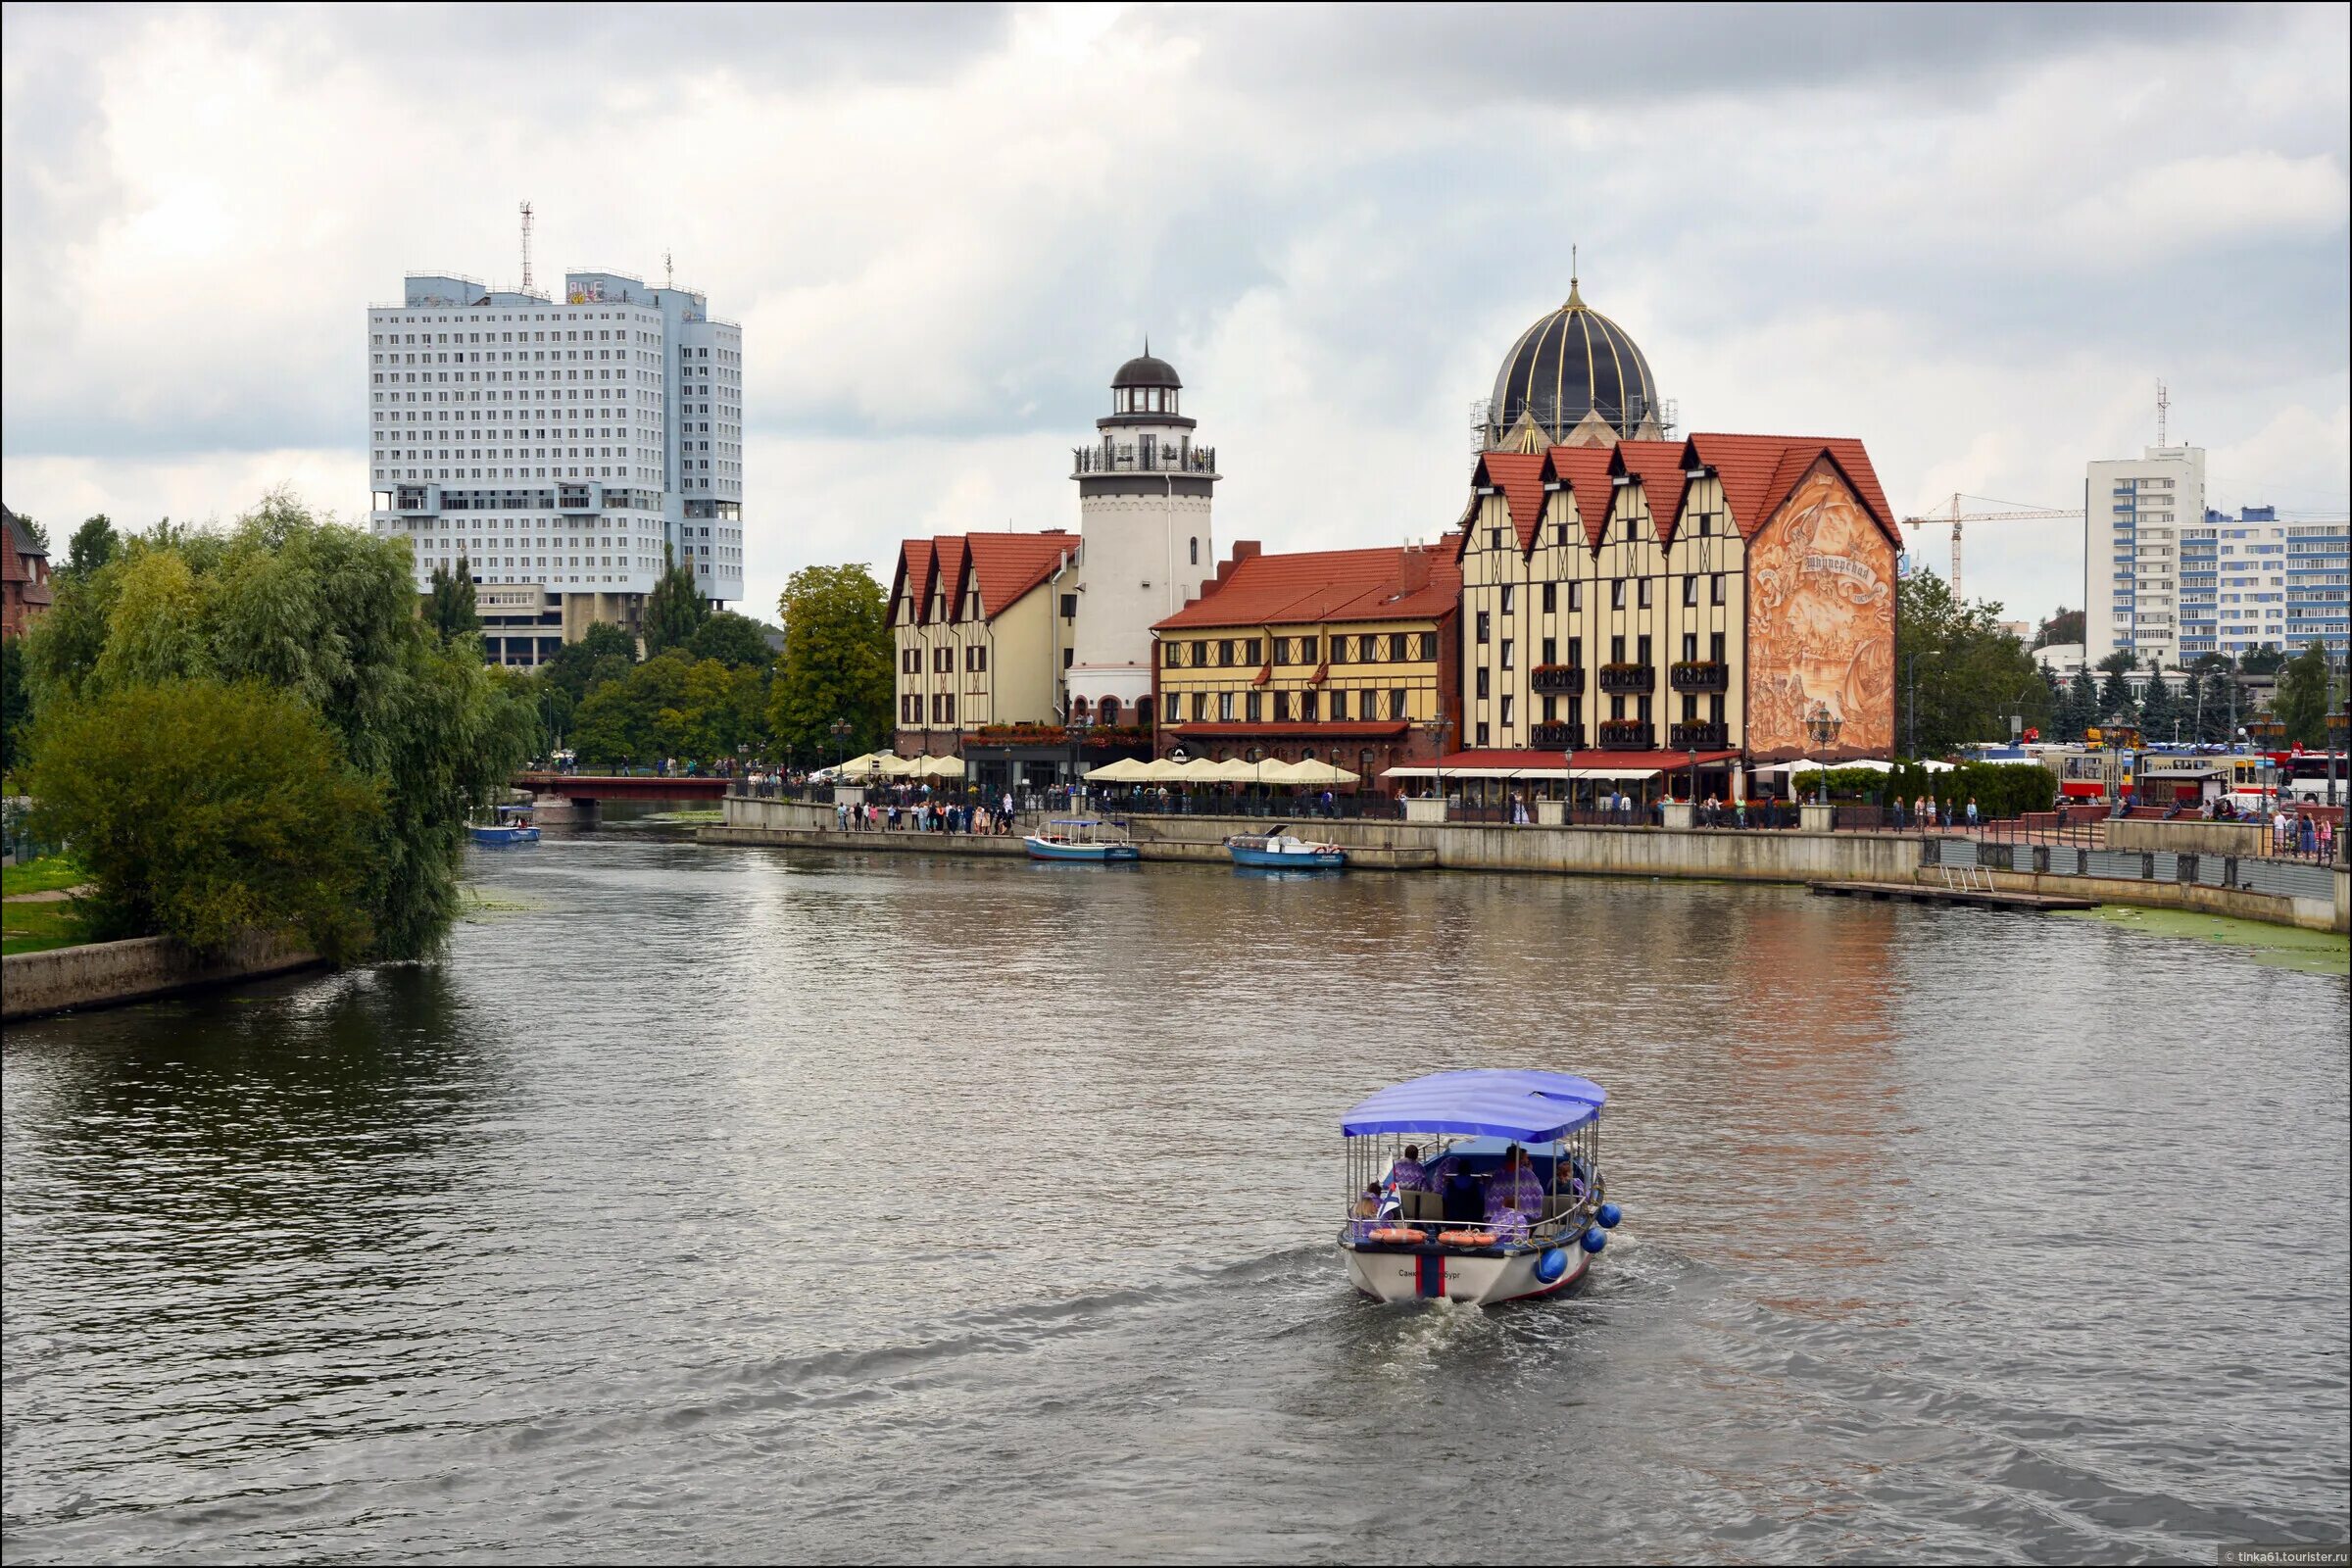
(2247, 839)
(105, 975)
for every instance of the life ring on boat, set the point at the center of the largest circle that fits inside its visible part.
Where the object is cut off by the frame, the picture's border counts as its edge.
(1394, 1233)
(1552, 1265)
(1467, 1238)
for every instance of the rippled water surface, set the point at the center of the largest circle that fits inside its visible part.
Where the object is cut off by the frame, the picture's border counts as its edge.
(719, 1204)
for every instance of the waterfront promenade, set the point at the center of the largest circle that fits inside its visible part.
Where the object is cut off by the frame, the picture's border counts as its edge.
(2281, 892)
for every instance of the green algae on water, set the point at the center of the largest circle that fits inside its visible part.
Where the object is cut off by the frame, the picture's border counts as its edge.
(2281, 946)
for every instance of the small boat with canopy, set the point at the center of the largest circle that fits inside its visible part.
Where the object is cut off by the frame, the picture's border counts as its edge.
(1284, 851)
(1501, 1195)
(1083, 839)
(512, 825)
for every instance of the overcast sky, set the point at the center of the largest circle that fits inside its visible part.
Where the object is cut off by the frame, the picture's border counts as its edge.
(1971, 238)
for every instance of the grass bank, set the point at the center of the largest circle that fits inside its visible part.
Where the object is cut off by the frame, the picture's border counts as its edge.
(2280, 947)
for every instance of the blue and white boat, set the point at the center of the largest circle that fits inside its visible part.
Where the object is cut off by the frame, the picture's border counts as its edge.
(1284, 851)
(1082, 840)
(1432, 1234)
(514, 826)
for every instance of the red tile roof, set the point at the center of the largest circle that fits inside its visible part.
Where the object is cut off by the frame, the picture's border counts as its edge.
(1519, 475)
(1585, 470)
(1758, 473)
(1326, 585)
(1007, 565)
(1658, 465)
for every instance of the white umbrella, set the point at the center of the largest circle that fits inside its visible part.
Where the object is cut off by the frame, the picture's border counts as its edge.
(937, 767)
(1198, 770)
(1319, 773)
(1126, 770)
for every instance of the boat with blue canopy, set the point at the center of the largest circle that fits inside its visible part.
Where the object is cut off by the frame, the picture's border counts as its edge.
(1476, 1186)
(1082, 840)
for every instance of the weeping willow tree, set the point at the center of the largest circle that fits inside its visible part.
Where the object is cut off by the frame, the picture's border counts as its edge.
(325, 614)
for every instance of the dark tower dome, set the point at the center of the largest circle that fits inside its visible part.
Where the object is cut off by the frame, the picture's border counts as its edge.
(1573, 363)
(1145, 370)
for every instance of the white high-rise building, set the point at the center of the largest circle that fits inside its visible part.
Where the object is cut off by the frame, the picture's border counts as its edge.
(2137, 515)
(563, 449)
(1144, 494)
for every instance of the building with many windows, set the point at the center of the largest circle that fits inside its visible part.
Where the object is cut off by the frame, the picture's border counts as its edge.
(24, 593)
(2140, 516)
(1340, 656)
(563, 449)
(985, 623)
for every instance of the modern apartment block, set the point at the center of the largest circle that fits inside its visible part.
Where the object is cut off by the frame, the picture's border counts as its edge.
(2137, 514)
(2258, 583)
(563, 449)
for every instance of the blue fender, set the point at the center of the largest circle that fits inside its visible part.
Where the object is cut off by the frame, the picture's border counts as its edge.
(1552, 1265)
(1609, 1215)
(1595, 1240)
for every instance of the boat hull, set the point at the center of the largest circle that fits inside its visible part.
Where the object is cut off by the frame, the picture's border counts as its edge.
(1083, 853)
(1474, 1278)
(1273, 861)
(505, 835)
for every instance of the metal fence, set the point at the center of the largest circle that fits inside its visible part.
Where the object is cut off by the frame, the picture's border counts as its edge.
(2279, 878)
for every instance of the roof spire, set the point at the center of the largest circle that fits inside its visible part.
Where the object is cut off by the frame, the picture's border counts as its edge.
(1576, 301)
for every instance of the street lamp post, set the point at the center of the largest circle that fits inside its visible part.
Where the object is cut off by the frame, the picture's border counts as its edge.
(1437, 730)
(840, 730)
(1821, 728)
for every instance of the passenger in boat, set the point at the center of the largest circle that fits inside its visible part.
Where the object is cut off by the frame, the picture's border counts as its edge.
(1407, 1174)
(1363, 1217)
(1515, 1187)
(1510, 1224)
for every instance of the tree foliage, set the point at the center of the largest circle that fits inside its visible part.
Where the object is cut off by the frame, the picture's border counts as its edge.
(735, 641)
(449, 606)
(837, 660)
(327, 615)
(2301, 704)
(1961, 677)
(205, 811)
(16, 702)
(2062, 629)
(675, 609)
(672, 705)
(92, 546)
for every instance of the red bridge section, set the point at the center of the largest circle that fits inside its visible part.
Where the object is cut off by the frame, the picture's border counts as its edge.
(621, 787)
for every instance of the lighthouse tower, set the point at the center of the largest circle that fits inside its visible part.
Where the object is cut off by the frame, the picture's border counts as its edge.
(1144, 493)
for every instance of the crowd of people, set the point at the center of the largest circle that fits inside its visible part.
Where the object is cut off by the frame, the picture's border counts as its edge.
(1505, 1203)
(920, 811)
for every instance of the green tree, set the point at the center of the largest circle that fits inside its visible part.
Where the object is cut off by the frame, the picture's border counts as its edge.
(604, 652)
(40, 536)
(16, 702)
(450, 607)
(675, 609)
(2082, 710)
(2063, 629)
(736, 641)
(2212, 704)
(204, 812)
(2263, 661)
(2116, 702)
(837, 660)
(329, 616)
(2159, 711)
(2302, 700)
(1963, 678)
(92, 546)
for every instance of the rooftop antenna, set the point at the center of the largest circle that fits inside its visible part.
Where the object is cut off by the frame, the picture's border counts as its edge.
(667, 271)
(2164, 406)
(526, 247)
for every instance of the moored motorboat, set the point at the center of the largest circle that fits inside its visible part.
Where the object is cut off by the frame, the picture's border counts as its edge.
(1284, 851)
(1081, 840)
(1501, 1195)
(514, 826)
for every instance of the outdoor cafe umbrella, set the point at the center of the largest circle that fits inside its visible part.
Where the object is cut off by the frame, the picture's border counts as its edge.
(1126, 770)
(1198, 770)
(1319, 773)
(937, 767)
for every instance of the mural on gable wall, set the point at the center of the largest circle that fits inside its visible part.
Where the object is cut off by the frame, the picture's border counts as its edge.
(1819, 624)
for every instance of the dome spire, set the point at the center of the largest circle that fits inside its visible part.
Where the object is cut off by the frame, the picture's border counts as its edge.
(1576, 301)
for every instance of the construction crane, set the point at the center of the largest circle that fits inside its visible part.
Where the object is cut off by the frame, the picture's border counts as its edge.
(1949, 511)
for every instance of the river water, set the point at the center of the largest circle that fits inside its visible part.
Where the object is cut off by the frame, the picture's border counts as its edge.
(722, 1205)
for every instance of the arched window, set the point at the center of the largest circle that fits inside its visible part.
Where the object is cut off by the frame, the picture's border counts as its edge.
(1107, 711)
(1196, 549)
(1078, 708)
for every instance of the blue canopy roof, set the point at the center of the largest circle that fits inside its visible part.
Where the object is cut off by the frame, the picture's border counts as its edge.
(1533, 1108)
